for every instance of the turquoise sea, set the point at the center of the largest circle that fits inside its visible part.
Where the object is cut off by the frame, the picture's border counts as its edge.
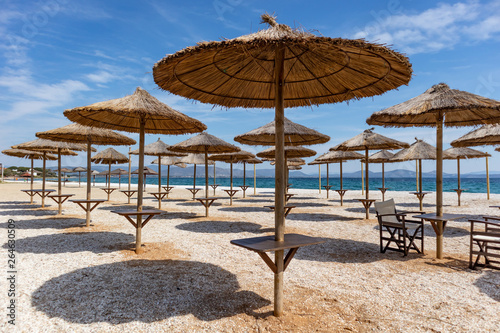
(473, 185)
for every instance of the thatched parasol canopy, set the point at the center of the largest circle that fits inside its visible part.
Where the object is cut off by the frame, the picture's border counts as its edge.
(195, 159)
(24, 153)
(109, 156)
(66, 170)
(277, 68)
(82, 134)
(335, 156)
(383, 156)
(295, 161)
(126, 114)
(79, 169)
(232, 157)
(482, 136)
(419, 150)
(51, 146)
(460, 108)
(157, 148)
(290, 152)
(368, 140)
(147, 171)
(239, 72)
(295, 135)
(169, 160)
(119, 171)
(464, 152)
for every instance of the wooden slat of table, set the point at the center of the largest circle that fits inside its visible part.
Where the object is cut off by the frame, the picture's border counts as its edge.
(268, 243)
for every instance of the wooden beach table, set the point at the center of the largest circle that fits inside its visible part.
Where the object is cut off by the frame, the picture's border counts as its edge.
(420, 195)
(88, 205)
(327, 188)
(207, 202)
(167, 189)
(341, 193)
(367, 203)
(194, 191)
(244, 188)
(108, 190)
(214, 186)
(42, 193)
(288, 208)
(159, 196)
(129, 193)
(288, 196)
(231, 193)
(291, 242)
(383, 190)
(60, 199)
(31, 193)
(438, 224)
(149, 213)
(459, 193)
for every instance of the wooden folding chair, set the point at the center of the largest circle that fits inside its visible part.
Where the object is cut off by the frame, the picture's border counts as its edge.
(487, 241)
(395, 228)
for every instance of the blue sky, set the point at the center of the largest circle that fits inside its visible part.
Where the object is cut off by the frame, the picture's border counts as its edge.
(60, 54)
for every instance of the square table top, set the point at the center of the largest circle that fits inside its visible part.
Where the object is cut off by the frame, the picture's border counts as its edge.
(90, 200)
(135, 212)
(38, 190)
(267, 243)
(434, 217)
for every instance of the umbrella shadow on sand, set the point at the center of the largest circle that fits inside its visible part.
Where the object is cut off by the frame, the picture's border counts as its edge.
(348, 251)
(95, 242)
(63, 222)
(245, 209)
(223, 227)
(318, 217)
(488, 284)
(146, 291)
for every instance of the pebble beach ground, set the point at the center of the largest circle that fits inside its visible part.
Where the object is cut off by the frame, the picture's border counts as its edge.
(71, 278)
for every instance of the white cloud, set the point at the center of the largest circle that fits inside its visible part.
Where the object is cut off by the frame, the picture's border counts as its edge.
(434, 29)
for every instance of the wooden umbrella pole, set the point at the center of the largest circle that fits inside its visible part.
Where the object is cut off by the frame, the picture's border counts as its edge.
(89, 153)
(439, 167)
(59, 190)
(419, 162)
(138, 234)
(194, 178)
(487, 179)
(168, 178)
(362, 180)
(254, 181)
(206, 180)
(31, 185)
(159, 182)
(109, 179)
(231, 197)
(366, 177)
(383, 175)
(279, 212)
(244, 176)
(285, 172)
(458, 179)
(416, 175)
(214, 177)
(341, 185)
(319, 180)
(43, 178)
(129, 169)
(327, 180)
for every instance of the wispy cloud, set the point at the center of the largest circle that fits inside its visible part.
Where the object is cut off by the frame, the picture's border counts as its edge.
(434, 29)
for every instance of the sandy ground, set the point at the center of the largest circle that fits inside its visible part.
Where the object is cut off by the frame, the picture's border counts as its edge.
(71, 278)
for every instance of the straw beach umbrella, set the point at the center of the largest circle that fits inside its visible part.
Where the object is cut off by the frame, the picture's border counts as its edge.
(109, 156)
(368, 140)
(61, 148)
(79, 170)
(419, 150)
(294, 134)
(482, 136)
(146, 171)
(231, 158)
(119, 172)
(168, 161)
(207, 144)
(32, 155)
(195, 159)
(459, 153)
(439, 106)
(138, 113)
(383, 156)
(338, 156)
(64, 171)
(159, 149)
(281, 67)
(76, 133)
